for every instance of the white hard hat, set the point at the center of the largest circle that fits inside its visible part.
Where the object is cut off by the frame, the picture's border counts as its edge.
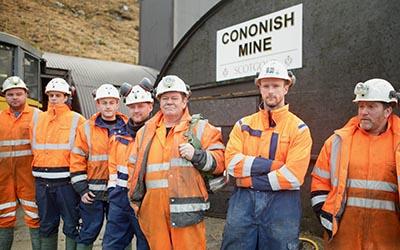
(275, 69)
(137, 95)
(59, 85)
(107, 91)
(374, 90)
(13, 82)
(172, 83)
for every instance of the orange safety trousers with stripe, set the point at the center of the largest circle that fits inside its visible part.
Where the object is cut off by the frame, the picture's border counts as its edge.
(358, 173)
(16, 180)
(171, 213)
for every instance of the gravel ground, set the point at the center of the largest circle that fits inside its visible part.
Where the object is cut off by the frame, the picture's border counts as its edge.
(214, 227)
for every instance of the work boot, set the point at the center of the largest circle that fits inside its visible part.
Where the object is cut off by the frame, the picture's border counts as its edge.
(35, 238)
(81, 246)
(6, 238)
(70, 244)
(129, 247)
(49, 243)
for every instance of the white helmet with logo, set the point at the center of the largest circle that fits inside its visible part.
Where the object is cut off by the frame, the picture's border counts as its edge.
(275, 69)
(13, 82)
(107, 91)
(137, 95)
(172, 83)
(374, 90)
(59, 85)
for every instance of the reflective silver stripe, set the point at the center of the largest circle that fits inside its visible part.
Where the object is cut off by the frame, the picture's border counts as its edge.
(50, 175)
(15, 142)
(112, 180)
(10, 214)
(371, 203)
(72, 132)
(273, 180)
(54, 146)
(398, 179)
(103, 157)
(78, 151)
(28, 203)
(209, 162)
(122, 183)
(232, 164)
(215, 146)
(247, 164)
(8, 205)
(180, 162)
(157, 184)
(157, 167)
(34, 120)
(372, 185)
(318, 199)
(201, 124)
(32, 214)
(132, 159)
(321, 173)
(112, 177)
(191, 207)
(336, 144)
(285, 171)
(326, 223)
(15, 153)
(78, 178)
(98, 187)
(86, 129)
(122, 169)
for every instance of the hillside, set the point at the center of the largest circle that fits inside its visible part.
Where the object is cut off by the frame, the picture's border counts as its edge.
(100, 29)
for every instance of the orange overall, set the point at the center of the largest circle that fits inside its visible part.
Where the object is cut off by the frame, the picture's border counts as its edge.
(16, 180)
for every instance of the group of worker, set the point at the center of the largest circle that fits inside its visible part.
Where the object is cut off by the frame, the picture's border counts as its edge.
(149, 176)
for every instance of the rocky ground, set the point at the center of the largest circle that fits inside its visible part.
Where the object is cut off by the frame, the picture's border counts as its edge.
(214, 227)
(105, 29)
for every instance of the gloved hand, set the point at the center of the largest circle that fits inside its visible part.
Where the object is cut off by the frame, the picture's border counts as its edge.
(186, 150)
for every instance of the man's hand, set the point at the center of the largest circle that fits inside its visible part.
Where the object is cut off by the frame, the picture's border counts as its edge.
(186, 150)
(88, 198)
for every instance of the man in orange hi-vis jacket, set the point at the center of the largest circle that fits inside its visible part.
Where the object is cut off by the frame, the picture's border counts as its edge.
(90, 162)
(268, 153)
(122, 223)
(355, 181)
(52, 138)
(168, 171)
(16, 181)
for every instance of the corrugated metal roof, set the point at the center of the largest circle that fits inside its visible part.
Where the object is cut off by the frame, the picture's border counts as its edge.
(88, 74)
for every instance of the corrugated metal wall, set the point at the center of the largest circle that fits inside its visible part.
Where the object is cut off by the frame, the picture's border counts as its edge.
(88, 74)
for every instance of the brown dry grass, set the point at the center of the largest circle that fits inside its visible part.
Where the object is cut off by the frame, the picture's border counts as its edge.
(100, 29)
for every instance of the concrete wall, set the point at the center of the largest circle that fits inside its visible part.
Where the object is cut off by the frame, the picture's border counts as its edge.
(344, 42)
(162, 25)
(156, 32)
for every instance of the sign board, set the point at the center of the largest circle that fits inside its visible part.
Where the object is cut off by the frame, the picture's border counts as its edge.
(242, 49)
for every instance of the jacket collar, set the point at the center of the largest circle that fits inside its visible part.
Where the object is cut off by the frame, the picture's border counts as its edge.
(57, 109)
(270, 118)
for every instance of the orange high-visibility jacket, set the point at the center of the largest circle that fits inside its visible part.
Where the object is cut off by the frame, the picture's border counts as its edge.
(52, 138)
(332, 189)
(90, 155)
(16, 180)
(269, 151)
(166, 170)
